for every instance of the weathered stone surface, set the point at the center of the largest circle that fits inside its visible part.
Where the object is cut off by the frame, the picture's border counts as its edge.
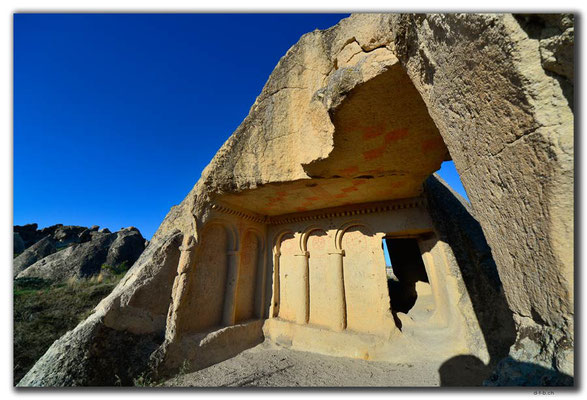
(478, 85)
(556, 35)
(71, 361)
(65, 235)
(28, 233)
(131, 321)
(128, 246)
(18, 243)
(33, 254)
(80, 260)
(480, 281)
(81, 253)
(84, 236)
(541, 356)
(475, 70)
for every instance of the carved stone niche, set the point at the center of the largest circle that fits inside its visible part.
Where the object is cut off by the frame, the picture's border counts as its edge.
(330, 292)
(322, 285)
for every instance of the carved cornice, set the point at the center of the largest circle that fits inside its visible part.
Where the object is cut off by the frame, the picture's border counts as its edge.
(347, 211)
(262, 219)
(342, 211)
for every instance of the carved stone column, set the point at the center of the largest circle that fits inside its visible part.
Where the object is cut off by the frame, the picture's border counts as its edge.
(274, 310)
(180, 286)
(303, 311)
(229, 315)
(336, 281)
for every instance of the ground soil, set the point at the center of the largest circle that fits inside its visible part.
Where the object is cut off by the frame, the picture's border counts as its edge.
(268, 365)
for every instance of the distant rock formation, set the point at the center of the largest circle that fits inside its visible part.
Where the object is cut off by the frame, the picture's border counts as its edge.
(18, 243)
(36, 252)
(60, 252)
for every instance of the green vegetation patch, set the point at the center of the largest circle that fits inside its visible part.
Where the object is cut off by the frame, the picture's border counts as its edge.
(117, 270)
(44, 311)
(24, 285)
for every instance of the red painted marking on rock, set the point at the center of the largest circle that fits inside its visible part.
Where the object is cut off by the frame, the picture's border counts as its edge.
(349, 170)
(432, 144)
(374, 153)
(397, 134)
(373, 131)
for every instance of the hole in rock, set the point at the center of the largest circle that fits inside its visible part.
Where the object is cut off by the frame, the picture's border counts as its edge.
(450, 175)
(405, 268)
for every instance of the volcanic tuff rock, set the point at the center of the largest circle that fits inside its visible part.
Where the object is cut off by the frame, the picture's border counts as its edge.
(36, 252)
(28, 233)
(18, 243)
(129, 322)
(82, 260)
(128, 246)
(498, 93)
(74, 251)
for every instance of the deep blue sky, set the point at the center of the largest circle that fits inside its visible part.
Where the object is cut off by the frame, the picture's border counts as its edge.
(115, 116)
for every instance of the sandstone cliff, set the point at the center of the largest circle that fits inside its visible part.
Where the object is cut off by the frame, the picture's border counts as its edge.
(498, 89)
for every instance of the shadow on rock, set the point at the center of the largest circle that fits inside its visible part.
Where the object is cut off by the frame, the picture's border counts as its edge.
(468, 370)
(463, 371)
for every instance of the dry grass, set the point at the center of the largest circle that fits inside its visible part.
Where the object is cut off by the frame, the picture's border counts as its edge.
(43, 312)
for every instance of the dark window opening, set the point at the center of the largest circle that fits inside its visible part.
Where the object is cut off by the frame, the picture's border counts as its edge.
(405, 268)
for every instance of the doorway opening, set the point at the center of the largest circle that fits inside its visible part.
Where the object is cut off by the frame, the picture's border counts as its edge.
(406, 275)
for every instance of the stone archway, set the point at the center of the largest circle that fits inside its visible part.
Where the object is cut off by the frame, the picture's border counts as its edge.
(487, 89)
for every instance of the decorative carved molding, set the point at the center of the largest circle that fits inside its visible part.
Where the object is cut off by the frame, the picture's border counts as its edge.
(343, 211)
(241, 214)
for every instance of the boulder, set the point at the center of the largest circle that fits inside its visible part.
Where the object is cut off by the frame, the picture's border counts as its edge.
(65, 235)
(98, 234)
(28, 233)
(127, 247)
(50, 230)
(79, 260)
(36, 252)
(85, 236)
(115, 330)
(85, 253)
(17, 243)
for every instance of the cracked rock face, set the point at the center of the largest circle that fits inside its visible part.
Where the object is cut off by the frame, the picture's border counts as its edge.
(36, 252)
(497, 94)
(84, 255)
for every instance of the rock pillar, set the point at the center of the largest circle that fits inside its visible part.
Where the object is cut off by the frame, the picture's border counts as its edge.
(186, 261)
(303, 310)
(274, 310)
(229, 314)
(338, 296)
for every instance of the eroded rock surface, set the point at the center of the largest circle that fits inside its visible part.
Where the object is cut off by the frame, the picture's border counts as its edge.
(74, 251)
(115, 343)
(482, 87)
(36, 252)
(18, 243)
